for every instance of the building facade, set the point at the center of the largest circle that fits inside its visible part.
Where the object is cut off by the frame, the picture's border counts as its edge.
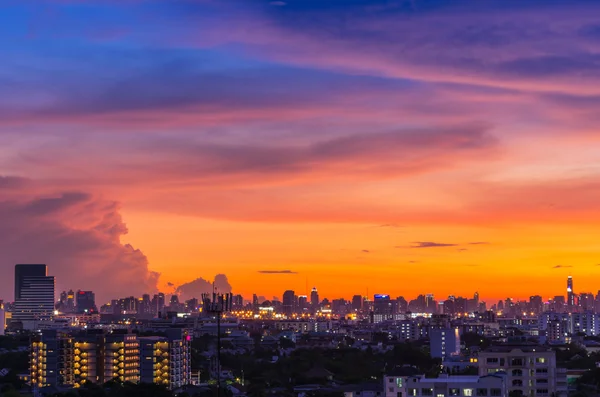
(531, 370)
(34, 295)
(445, 386)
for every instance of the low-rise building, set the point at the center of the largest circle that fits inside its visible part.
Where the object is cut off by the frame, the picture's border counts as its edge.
(445, 386)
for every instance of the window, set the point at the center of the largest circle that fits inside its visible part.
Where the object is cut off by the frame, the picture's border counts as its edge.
(482, 392)
(467, 392)
(427, 392)
(391, 389)
(517, 382)
(517, 372)
(492, 371)
(516, 362)
(541, 371)
(542, 381)
(492, 360)
(495, 392)
(412, 392)
(399, 394)
(391, 380)
(540, 360)
(455, 392)
(541, 392)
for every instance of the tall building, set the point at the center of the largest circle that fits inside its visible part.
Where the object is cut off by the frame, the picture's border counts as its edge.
(382, 305)
(444, 342)
(86, 302)
(166, 360)
(314, 299)
(72, 359)
(570, 292)
(357, 303)
(34, 295)
(2, 319)
(288, 306)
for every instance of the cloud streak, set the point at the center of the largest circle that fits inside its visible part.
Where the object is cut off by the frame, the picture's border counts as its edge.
(277, 272)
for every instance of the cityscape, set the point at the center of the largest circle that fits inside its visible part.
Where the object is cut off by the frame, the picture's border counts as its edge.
(74, 342)
(299, 198)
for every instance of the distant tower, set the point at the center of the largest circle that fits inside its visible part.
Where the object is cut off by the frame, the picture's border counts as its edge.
(314, 298)
(570, 293)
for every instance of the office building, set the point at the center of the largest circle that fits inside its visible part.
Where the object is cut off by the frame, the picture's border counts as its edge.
(445, 386)
(166, 360)
(86, 302)
(288, 306)
(530, 370)
(314, 299)
(444, 342)
(357, 303)
(382, 304)
(570, 292)
(34, 295)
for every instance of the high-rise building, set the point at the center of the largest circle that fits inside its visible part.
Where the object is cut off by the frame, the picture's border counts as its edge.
(314, 299)
(382, 304)
(2, 318)
(72, 359)
(357, 303)
(444, 342)
(166, 360)
(288, 302)
(34, 295)
(570, 292)
(86, 302)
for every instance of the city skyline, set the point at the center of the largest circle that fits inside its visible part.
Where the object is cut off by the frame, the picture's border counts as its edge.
(394, 147)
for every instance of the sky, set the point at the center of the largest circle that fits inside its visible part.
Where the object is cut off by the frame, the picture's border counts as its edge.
(361, 147)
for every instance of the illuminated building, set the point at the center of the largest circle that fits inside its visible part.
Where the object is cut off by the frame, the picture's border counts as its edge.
(314, 299)
(288, 302)
(86, 302)
(570, 292)
(444, 342)
(530, 370)
(445, 385)
(34, 295)
(121, 357)
(2, 319)
(72, 359)
(44, 360)
(166, 360)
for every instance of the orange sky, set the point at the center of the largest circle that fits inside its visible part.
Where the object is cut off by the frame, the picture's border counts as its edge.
(402, 149)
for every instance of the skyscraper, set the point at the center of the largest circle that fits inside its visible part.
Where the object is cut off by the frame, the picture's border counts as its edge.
(288, 302)
(314, 298)
(570, 292)
(86, 302)
(34, 295)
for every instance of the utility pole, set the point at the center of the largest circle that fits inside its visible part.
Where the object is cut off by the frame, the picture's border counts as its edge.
(216, 305)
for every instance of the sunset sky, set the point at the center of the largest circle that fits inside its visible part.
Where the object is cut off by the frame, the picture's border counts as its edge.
(380, 146)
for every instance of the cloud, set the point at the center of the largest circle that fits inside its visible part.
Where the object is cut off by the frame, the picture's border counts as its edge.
(170, 284)
(366, 251)
(199, 286)
(392, 225)
(13, 182)
(479, 243)
(430, 244)
(277, 272)
(561, 266)
(462, 249)
(78, 235)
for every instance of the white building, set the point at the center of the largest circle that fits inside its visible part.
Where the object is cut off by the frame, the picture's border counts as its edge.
(444, 342)
(530, 370)
(445, 386)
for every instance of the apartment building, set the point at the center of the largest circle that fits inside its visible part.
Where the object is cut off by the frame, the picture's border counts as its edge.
(445, 386)
(530, 369)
